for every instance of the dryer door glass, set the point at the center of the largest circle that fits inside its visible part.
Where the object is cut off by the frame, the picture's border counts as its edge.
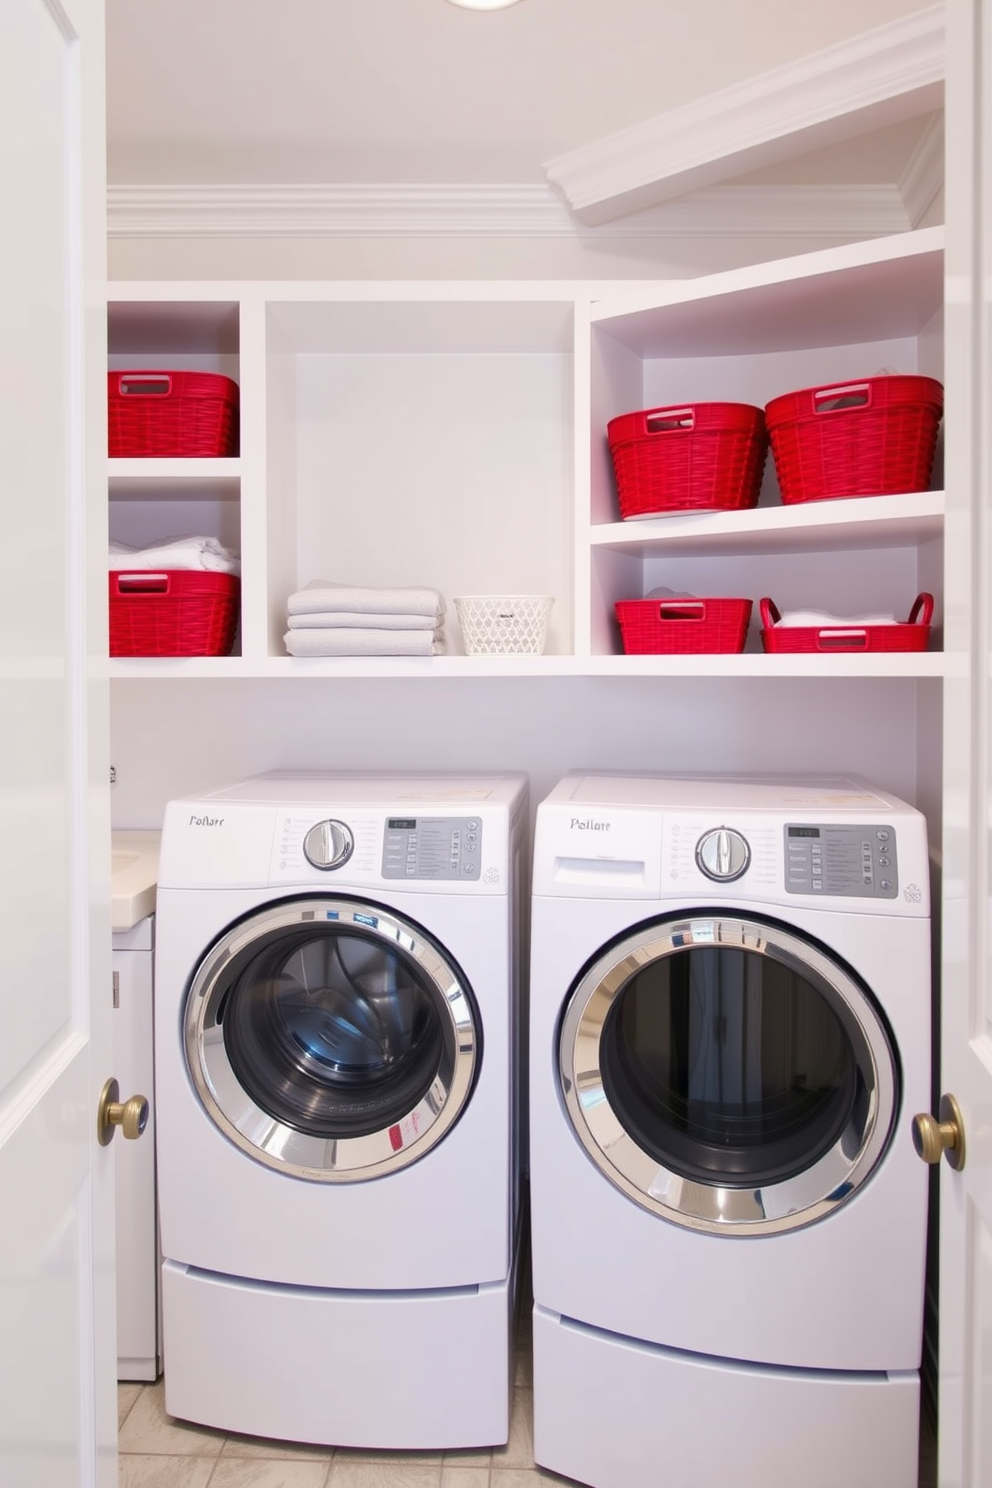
(728, 1074)
(331, 1039)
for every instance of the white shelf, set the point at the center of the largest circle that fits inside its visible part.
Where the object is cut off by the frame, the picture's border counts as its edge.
(758, 665)
(139, 471)
(877, 291)
(864, 666)
(834, 526)
(174, 480)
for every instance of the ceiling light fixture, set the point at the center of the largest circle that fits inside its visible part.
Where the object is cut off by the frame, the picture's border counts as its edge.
(483, 4)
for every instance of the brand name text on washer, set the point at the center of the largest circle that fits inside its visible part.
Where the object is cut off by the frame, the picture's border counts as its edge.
(206, 821)
(588, 824)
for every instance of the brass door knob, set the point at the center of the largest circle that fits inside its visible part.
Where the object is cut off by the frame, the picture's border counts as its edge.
(130, 1115)
(935, 1139)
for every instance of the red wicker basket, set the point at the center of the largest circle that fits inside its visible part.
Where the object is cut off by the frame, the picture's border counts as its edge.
(653, 626)
(870, 438)
(913, 636)
(698, 457)
(167, 414)
(173, 612)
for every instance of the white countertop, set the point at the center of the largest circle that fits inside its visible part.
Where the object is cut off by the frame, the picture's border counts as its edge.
(133, 877)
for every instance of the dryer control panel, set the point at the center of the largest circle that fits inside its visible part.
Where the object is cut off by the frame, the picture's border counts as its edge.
(432, 847)
(853, 861)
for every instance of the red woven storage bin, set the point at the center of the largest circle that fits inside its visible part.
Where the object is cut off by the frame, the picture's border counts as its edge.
(168, 414)
(697, 457)
(653, 626)
(913, 636)
(870, 438)
(173, 612)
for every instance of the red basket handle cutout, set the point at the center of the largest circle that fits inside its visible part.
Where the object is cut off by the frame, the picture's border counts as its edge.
(144, 385)
(680, 609)
(770, 613)
(669, 421)
(142, 583)
(841, 640)
(837, 398)
(922, 611)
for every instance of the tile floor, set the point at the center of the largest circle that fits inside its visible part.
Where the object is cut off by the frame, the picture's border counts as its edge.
(157, 1451)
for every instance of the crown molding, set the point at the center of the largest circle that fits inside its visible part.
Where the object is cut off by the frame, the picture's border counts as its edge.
(923, 178)
(348, 211)
(832, 212)
(893, 72)
(279, 211)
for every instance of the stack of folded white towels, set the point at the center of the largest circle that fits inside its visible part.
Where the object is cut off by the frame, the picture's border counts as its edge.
(196, 552)
(327, 619)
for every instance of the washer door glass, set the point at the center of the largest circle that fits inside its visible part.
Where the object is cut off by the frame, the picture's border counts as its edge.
(331, 1039)
(727, 1074)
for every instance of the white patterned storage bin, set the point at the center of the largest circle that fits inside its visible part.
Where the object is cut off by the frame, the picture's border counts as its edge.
(502, 623)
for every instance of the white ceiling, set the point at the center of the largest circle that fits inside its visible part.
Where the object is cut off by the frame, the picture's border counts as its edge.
(420, 91)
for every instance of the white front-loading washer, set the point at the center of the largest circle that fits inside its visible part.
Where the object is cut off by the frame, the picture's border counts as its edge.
(336, 1035)
(730, 1034)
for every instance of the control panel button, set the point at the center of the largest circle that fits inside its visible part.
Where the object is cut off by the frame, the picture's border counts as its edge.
(723, 854)
(328, 844)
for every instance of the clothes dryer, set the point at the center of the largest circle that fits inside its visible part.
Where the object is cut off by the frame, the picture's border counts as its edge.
(730, 1034)
(336, 1036)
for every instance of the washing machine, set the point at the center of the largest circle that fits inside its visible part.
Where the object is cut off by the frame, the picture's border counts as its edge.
(730, 1034)
(336, 1027)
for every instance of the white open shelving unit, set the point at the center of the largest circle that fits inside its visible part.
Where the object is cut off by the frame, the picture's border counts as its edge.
(453, 434)
(749, 336)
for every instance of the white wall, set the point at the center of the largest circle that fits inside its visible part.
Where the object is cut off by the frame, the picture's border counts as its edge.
(171, 737)
(415, 90)
(445, 258)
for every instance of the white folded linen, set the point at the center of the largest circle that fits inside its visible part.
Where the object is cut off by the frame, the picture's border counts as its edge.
(350, 619)
(183, 552)
(320, 595)
(342, 641)
(819, 619)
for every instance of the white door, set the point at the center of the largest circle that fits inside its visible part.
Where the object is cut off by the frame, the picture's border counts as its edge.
(57, 1314)
(965, 1343)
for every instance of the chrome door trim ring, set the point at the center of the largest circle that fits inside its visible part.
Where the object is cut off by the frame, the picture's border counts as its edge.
(786, 1205)
(282, 1147)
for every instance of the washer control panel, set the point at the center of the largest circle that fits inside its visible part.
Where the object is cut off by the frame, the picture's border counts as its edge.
(432, 847)
(858, 862)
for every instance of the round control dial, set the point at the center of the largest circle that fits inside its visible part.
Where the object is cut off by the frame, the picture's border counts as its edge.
(723, 854)
(328, 845)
